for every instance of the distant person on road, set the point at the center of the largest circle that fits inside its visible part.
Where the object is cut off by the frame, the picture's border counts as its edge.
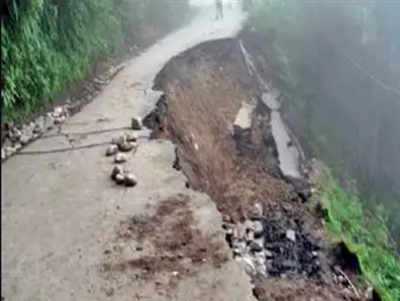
(220, 9)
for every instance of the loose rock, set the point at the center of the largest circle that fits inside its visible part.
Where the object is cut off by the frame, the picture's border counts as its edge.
(111, 150)
(38, 129)
(126, 147)
(117, 170)
(247, 265)
(291, 235)
(120, 179)
(119, 140)
(131, 137)
(120, 158)
(130, 180)
(24, 140)
(17, 146)
(256, 212)
(9, 150)
(258, 228)
(58, 111)
(257, 245)
(136, 124)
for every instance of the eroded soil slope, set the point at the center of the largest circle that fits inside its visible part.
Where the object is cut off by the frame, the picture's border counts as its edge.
(273, 236)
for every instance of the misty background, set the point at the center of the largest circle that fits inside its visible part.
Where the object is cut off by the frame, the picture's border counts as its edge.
(337, 64)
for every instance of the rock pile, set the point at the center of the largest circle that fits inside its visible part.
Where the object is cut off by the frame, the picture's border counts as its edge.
(123, 177)
(118, 149)
(15, 137)
(268, 246)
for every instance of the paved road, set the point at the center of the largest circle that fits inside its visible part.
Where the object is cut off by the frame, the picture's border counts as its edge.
(60, 211)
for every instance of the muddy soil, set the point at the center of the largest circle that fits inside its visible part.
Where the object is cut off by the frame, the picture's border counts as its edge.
(204, 89)
(180, 248)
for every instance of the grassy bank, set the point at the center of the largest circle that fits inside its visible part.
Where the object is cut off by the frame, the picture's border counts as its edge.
(364, 234)
(48, 45)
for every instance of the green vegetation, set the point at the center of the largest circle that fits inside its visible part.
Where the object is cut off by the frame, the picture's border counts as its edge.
(365, 235)
(47, 45)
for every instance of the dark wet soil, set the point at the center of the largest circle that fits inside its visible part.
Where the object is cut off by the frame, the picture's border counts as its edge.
(179, 246)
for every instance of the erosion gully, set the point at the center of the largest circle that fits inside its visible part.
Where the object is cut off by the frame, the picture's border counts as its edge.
(232, 144)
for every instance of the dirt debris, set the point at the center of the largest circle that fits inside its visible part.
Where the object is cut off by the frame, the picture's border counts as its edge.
(203, 92)
(178, 250)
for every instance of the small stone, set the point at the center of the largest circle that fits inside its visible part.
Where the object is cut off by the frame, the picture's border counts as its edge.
(120, 179)
(9, 150)
(175, 273)
(247, 264)
(369, 293)
(17, 146)
(291, 235)
(3, 154)
(256, 212)
(24, 140)
(15, 134)
(119, 140)
(126, 147)
(257, 245)
(131, 137)
(130, 180)
(58, 111)
(136, 124)
(258, 228)
(59, 120)
(226, 218)
(239, 247)
(117, 170)
(111, 150)
(120, 158)
(248, 225)
(250, 235)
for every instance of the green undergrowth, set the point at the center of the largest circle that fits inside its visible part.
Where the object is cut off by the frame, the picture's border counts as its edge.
(365, 234)
(49, 45)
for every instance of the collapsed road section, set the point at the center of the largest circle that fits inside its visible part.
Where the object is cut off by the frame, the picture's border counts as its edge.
(215, 110)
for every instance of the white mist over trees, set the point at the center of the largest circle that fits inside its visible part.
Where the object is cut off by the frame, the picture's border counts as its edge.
(338, 65)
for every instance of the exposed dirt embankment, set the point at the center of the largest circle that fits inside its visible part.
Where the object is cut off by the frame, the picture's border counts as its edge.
(212, 111)
(205, 89)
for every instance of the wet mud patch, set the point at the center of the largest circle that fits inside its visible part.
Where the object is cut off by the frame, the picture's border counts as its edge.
(169, 245)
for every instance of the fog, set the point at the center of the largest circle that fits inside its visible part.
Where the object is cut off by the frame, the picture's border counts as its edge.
(210, 2)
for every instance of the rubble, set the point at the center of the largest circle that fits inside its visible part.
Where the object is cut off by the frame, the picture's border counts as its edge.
(120, 158)
(268, 247)
(136, 124)
(130, 180)
(111, 150)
